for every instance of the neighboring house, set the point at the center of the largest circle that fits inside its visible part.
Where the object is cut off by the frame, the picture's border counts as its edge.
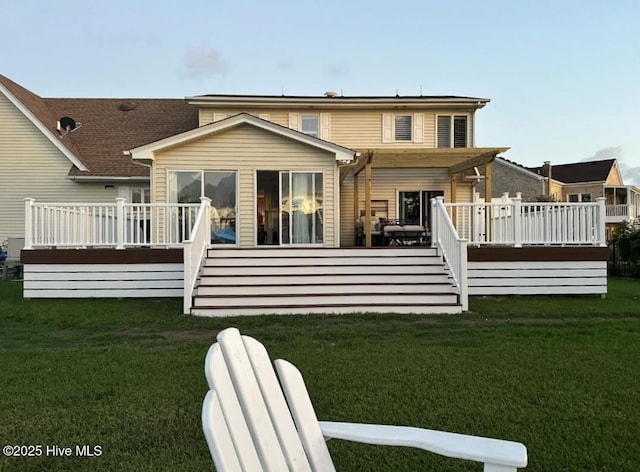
(71, 149)
(589, 180)
(255, 201)
(512, 178)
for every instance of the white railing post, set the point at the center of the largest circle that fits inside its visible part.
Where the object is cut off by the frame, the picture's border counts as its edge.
(434, 221)
(120, 223)
(464, 276)
(516, 215)
(602, 217)
(194, 250)
(28, 223)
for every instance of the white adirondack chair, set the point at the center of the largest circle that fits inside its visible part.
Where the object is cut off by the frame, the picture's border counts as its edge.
(254, 423)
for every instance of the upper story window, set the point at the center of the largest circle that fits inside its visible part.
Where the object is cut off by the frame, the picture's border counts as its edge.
(310, 125)
(452, 131)
(402, 129)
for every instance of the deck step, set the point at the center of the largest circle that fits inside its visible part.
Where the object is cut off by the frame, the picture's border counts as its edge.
(318, 280)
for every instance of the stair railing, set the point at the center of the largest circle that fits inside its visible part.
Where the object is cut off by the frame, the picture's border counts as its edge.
(445, 238)
(195, 249)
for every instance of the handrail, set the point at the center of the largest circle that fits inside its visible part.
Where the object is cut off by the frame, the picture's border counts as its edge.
(194, 250)
(454, 249)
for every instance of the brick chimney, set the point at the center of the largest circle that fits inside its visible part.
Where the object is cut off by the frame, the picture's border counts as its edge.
(546, 171)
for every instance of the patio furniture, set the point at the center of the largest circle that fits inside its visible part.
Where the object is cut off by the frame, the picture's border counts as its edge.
(405, 234)
(255, 421)
(12, 265)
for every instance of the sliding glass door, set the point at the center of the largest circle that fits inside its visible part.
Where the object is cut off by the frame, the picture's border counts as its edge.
(290, 208)
(220, 187)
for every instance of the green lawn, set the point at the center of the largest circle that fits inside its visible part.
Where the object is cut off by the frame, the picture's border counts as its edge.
(560, 374)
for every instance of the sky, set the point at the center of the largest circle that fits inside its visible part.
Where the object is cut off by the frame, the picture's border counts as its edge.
(562, 75)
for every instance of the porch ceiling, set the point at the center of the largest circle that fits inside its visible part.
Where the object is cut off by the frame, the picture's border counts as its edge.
(454, 159)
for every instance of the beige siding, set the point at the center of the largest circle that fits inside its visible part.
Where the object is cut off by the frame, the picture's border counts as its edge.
(385, 185)
(246, 149)
(32, 167)
(357, 129)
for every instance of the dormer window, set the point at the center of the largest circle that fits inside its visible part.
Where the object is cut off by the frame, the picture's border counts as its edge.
(310, 125)
(452, 131)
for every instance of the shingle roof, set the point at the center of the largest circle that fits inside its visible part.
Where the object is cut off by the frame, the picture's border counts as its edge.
(108, 126)
(591, 171)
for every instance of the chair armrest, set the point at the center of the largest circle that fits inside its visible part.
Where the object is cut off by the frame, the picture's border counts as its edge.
(460, 446)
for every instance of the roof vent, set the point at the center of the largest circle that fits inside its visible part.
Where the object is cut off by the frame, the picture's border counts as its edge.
(66, 124)
(330, 94)
(127, 106)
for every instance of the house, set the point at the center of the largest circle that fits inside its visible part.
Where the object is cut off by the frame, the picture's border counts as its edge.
(71, 149)
(588, 180)
(512, 178)
(256, 207)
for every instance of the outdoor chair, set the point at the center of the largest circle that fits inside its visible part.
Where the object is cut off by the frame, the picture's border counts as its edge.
(253, 422)
(12, 263)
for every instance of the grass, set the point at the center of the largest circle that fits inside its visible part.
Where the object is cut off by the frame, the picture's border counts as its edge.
(559, 374)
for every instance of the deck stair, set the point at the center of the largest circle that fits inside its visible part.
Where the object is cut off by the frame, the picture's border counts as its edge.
(299, 281)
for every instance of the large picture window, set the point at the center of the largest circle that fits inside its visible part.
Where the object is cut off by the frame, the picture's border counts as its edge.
(220, 187)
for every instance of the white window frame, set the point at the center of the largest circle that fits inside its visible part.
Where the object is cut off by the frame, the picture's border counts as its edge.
(452, 117)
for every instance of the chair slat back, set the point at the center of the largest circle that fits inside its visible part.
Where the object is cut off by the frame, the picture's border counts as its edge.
(304, 416)
(220, 381)
(256, 414)
(218, 435)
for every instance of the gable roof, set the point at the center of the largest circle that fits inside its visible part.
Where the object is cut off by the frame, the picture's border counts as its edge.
(37, 111)
(145, 153)
(106, 128)
(590, 171)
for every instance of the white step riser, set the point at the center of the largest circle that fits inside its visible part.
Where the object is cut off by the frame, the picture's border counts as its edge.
(368, 278)
(333, 270)
(319, 300)
(320, 262)
(320, 252)
(324, 289)
(425, 310)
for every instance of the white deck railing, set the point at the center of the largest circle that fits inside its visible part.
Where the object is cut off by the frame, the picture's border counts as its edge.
(623, 211)
(453, 249)
(117, 224)
(194, 251)
(516, 223)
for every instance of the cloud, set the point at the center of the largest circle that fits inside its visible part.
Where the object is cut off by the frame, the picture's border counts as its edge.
(614, 152)
(203, 62)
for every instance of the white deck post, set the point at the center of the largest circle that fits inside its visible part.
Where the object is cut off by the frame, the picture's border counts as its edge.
(516, 214)
(28, 223)
(120, 223)
(464, 276)
(434, 221)
(602, 217)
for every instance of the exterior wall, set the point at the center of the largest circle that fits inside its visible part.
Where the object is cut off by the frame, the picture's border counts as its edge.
(357, 129)
(246, 149)
(595, 189)
(385, 185)
(507, 179)
(32, 167)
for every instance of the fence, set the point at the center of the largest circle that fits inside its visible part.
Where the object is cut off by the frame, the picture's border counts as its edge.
(620, 267)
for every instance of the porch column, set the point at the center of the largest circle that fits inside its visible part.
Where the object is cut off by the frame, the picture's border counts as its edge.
(487, 202)
(356, 190)
(367, 203)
